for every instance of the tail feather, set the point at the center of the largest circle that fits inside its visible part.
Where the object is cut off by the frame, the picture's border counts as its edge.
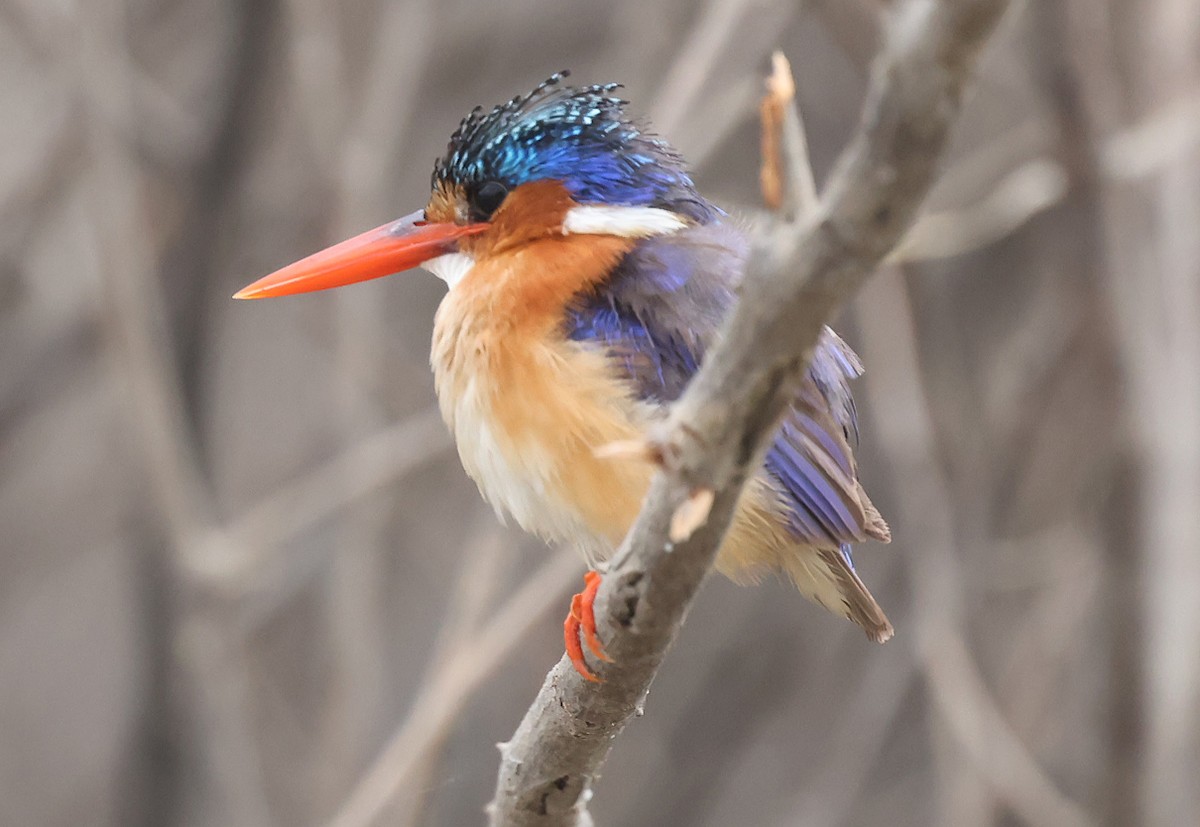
(827, 577)
(874, 525)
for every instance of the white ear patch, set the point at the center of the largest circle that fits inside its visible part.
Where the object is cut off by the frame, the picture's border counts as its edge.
(628, 222)
(450, 268)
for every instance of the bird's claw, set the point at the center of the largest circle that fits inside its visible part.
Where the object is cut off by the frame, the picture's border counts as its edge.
(580, 628)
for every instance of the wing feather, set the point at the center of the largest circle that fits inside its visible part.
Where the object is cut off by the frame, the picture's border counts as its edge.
(657, 315)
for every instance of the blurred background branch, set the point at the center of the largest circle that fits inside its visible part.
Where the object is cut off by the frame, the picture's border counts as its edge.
(244, 581)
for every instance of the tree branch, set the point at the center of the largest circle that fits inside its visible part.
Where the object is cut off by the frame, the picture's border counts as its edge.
(798, 278)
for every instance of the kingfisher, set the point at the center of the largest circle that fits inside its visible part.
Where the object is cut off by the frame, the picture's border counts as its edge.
(587, 278)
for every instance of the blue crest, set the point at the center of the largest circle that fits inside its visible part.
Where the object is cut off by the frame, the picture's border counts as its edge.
(580, 136)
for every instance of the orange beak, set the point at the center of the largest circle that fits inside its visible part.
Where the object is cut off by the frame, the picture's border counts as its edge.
(400, 245)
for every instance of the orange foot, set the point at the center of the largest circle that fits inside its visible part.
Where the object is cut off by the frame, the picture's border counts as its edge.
(580, 627)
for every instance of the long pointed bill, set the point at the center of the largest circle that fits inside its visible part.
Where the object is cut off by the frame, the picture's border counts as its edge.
(400, 245)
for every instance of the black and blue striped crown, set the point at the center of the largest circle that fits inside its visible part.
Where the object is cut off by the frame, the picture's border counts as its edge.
(581, 136)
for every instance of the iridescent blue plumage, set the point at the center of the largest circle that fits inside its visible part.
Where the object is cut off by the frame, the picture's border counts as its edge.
(580, 136)
(657, 315)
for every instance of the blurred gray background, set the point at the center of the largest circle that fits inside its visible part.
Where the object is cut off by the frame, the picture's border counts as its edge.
(243, 580)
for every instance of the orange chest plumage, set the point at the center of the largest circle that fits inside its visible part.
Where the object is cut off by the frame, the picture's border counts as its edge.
(527, 406)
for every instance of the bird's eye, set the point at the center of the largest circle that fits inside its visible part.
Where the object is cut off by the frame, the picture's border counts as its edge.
(488, 198)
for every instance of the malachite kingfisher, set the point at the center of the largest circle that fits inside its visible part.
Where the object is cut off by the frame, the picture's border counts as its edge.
(587, 278)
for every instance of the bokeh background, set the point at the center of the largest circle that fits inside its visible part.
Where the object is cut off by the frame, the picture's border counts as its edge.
(243, 580)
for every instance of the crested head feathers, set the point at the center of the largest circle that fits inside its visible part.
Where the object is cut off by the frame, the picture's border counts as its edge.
(581, 136)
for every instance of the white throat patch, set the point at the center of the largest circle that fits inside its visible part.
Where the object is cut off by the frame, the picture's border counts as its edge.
(628, 222)
(450, 268)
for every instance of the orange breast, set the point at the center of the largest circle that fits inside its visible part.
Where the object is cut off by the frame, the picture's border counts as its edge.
(527, 407)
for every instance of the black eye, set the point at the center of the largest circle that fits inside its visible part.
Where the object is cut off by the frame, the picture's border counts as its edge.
(488, 198)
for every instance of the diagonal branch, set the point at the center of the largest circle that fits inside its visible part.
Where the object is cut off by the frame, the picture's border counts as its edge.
(799, 277)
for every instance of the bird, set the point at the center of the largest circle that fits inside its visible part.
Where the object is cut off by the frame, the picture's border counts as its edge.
(587, 278)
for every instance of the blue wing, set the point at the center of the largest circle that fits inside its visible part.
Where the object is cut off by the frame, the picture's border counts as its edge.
(656, 316)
